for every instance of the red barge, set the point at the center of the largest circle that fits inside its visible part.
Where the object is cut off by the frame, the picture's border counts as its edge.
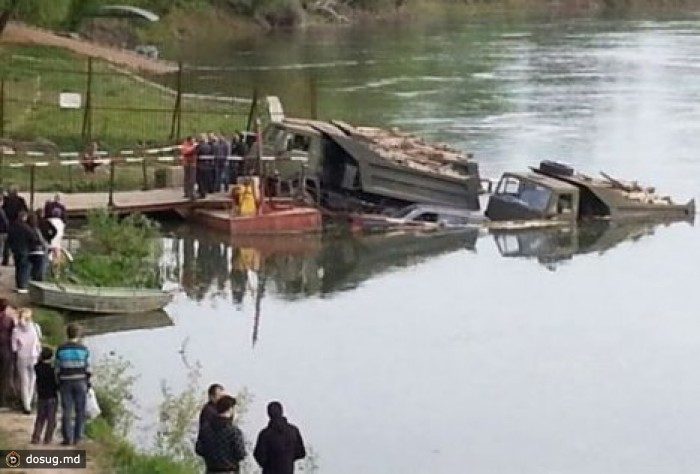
(273, 217)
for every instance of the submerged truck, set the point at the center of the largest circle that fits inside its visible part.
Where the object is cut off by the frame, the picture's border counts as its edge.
(364, 168)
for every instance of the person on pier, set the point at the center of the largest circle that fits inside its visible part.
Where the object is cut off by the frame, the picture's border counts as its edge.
(22, 240)
(189, 163)
(12, 204)
(39, 252)
(203, 151)
(53, 205)
(56, 242)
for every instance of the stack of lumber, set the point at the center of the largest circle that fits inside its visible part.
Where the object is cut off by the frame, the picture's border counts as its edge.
(412, 151)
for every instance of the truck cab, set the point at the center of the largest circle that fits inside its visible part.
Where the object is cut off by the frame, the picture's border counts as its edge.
(529, 196)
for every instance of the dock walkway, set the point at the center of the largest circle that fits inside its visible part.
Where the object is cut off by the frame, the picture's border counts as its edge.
(127, 202)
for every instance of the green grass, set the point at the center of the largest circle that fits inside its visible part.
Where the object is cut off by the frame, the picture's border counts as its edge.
(125, 111)
(69, 179)
(122, 457)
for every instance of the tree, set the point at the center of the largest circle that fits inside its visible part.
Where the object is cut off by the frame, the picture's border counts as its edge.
(8, 9)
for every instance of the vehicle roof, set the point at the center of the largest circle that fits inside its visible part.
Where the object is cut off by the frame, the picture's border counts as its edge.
(439, 208)
(546, 181)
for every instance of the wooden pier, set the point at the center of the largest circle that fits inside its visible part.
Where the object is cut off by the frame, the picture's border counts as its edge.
(128, 202)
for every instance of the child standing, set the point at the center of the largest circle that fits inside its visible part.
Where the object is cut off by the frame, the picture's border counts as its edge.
(47, 394)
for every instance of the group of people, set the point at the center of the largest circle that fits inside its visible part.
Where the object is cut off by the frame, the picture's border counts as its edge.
(33, 238)
(206, 164)
(28, 370)
(221, 443)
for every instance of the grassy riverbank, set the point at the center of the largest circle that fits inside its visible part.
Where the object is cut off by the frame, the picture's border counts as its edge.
(124, 109)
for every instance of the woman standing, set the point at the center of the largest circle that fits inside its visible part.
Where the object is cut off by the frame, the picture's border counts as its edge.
(59, 226)
(38, 252)
(26, 343)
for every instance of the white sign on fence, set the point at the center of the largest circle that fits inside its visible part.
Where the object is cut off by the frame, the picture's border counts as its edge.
(70, 100)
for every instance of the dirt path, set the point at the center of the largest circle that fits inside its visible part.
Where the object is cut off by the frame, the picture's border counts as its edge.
(15, 430)
(20, 33)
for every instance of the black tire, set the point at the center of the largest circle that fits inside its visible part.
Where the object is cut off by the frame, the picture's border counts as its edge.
(556, 168)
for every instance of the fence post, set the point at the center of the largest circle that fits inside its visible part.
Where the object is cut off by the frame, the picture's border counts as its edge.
(87, 113)
(253, 108)
(32, 179)
(70, 178)
(144, 170)
(176, 123)
(110, 201)
(2, 108)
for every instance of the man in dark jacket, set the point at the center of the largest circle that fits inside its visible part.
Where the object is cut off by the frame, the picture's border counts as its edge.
(22, 239)
(55, 204)
(205, 155)
(208, 413)
(12, 204)
(278, 445)
(221, 442)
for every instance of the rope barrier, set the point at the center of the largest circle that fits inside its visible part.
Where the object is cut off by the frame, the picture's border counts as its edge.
(160, 159)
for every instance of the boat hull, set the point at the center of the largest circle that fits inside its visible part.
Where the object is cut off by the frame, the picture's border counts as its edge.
(298, 220)
(87, 299)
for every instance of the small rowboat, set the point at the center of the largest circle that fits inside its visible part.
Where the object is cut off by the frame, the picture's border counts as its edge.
(92, 299)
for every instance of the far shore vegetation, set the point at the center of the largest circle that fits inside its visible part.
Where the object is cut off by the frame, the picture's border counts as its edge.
(265, 14)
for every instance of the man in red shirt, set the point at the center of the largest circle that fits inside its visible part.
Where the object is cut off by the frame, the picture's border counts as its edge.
(187, 151)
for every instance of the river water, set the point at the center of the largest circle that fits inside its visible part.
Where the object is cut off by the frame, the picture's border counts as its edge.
(544, 353)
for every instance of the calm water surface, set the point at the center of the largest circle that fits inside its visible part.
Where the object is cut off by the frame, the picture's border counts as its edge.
(457, 355)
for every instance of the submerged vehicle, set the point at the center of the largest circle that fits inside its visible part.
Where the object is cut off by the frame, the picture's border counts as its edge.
(416, 217)
(556, 194)
(362, 168)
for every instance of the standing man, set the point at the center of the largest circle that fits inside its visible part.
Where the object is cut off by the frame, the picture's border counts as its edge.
(55, 208)
(204, 154)
(221, 442)
(208, 413)
(212, 177)
(187, 151)
(238, 149)
(278, 445)
(73, 372)
(22, 240)
(223, 152)
(12, 204)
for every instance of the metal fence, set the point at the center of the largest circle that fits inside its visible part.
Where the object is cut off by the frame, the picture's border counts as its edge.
(70, 101)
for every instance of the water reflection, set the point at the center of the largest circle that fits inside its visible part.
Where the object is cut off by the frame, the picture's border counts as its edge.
(553, 247)
(207, 265)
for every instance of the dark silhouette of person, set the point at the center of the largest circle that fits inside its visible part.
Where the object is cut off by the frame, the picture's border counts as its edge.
(208, 413)
(221, 442)
(279, 444)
